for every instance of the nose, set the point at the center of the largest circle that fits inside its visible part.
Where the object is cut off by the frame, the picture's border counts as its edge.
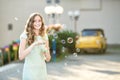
(37, 23)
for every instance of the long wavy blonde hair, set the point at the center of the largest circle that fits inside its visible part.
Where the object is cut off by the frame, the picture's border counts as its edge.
(29, 29)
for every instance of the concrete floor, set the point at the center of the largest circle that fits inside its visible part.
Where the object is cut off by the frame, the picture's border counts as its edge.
(74, 67)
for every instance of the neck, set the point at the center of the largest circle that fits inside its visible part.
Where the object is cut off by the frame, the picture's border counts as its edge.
(36, 32)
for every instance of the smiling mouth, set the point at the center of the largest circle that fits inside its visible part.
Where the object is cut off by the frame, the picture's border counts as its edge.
(37, 25)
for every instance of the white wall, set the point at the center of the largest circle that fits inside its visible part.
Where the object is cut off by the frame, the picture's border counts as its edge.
(20, 9)
(104, 15)
(107, 18)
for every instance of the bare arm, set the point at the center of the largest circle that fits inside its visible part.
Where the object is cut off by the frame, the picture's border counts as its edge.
(23, 51)
(47, 55)
(56, 27)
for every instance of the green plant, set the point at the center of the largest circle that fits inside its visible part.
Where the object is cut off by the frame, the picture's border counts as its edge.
(58, 45)
(11, 52)
(5, 55)
(63, 36)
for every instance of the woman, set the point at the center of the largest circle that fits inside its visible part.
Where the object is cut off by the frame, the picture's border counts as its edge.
(34, 48)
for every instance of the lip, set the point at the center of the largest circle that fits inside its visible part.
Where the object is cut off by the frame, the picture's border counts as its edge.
(37, 25)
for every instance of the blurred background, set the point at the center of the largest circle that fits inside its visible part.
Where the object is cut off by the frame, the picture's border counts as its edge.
(74, 16)
(103, 14)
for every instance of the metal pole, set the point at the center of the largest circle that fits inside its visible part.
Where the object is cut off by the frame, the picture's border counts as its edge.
(54, 49)
(75, 25)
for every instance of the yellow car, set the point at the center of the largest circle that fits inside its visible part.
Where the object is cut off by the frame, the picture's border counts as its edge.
(91, 40)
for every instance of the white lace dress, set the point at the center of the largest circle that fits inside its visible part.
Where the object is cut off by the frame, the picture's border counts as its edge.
(35, 65)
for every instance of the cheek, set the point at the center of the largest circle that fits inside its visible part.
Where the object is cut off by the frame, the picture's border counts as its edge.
(33, 25)
(41, 23)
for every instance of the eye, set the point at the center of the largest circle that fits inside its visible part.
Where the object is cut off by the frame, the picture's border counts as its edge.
(34, 21)
(39, 20)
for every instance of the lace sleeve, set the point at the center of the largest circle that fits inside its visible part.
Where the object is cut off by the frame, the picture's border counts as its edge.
(23, 36)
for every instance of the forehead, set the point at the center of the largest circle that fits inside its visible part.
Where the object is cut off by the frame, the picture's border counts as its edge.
(37, 17)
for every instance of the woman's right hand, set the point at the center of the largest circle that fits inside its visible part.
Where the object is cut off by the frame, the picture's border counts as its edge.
(39, 42)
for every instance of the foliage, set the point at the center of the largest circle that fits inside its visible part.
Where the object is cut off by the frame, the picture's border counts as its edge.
(58, 45)
(60, 54)
(63, 36)
(10, 51)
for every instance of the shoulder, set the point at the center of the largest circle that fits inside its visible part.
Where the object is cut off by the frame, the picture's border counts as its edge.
(46, 27)
(23, 35)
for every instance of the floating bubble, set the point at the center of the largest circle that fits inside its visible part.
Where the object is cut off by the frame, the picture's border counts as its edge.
(65, 64)
(18, 71)
(77, 37)
(70, 40)
(63, 41)
(75, 54)
(55, 35)
(15, 18)
(66, 56)
(77, 49)
(54, 52)
(63, 49)
(51, 32)
(64, 26)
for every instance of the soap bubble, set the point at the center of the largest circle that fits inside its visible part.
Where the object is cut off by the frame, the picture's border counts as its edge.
(75, 54)
(66, 56)
(18, 70)
(55, 35)
(63, 41)
(70, 40)
(63, 49)
(77, 50)
(15, 18)
(65, 64)
(77, 37)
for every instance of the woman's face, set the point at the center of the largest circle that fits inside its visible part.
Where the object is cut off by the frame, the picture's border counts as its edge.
(37, 22)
